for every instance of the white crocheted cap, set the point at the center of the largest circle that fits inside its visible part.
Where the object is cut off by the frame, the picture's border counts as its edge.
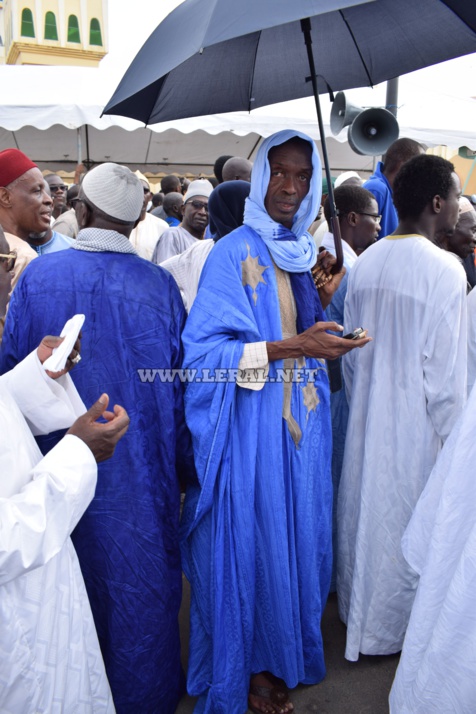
(465, 205)
(114, 190)
(200, 187)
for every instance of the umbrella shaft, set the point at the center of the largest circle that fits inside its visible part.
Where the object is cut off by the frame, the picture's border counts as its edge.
(306, 29)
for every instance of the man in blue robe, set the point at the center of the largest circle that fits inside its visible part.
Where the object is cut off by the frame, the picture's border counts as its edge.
(382, 180)
(256, 531)
(127, 541)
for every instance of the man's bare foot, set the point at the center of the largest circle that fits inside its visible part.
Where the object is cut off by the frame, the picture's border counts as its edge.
(268, 695)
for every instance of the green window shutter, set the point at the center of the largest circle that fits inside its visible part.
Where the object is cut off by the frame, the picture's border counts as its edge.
(73, 29)
(51, 32)
(27, 27)
(95, 32)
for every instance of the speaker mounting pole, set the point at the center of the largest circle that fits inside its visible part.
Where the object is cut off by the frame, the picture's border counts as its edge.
(391, 101)
(335, 227)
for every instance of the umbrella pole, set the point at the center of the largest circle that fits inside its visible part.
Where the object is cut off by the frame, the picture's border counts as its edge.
(335, 227)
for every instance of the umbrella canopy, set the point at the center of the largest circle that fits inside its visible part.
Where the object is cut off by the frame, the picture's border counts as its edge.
(214, 56)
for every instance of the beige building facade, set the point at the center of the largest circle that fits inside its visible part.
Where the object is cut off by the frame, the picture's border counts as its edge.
(53, 32)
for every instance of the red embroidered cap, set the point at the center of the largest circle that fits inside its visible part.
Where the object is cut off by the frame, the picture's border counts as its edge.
(13, 163)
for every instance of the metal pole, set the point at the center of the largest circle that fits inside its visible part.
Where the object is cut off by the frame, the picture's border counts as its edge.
(335, 227)
(80, 146)
(391, 101)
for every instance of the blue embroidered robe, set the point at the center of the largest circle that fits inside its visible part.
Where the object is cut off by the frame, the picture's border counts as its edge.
(127, 541)
(256, 532)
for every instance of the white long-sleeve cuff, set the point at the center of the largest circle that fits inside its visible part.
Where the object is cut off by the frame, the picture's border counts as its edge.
(47, 404)
(253, 366)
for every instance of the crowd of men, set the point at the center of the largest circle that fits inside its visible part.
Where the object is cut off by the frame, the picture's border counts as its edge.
(313, 415)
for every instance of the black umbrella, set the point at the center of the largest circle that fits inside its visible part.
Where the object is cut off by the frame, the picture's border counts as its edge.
(214, 56)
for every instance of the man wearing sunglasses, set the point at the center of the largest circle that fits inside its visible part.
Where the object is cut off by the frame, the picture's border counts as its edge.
(67, 223)
(194, 222)
(58, 190)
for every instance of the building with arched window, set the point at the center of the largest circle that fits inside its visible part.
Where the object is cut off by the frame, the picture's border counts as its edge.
(53, 32)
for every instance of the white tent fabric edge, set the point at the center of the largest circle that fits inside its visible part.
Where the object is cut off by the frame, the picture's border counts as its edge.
(45, 112)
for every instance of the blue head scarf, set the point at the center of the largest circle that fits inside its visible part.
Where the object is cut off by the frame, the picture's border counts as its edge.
(292, 249)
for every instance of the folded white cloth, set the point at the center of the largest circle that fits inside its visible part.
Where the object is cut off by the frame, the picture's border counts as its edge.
(70, 332)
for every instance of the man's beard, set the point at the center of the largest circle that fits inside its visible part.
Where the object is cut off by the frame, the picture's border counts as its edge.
(37, 236)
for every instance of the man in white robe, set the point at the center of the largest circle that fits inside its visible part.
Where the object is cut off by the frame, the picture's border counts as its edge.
(194, 222)
(471, 302)
(186, 269)
(149, 229)
(49, 650)
(406, 392)
(438, 663)
(226, 207)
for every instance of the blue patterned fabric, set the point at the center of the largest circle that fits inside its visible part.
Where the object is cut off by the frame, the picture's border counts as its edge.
(293, 249)
(256, 531)
(127, 541)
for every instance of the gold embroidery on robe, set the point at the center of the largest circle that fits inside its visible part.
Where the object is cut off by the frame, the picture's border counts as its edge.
(252, 273)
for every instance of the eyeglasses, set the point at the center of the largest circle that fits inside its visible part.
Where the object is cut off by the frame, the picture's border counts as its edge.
(10, 259)
(199, 205)
(372, 215)
(57, 188)
(146, 190)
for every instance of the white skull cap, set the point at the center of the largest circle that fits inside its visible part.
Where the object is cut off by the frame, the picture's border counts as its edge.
(200, 187)
(465, 205)
(345, 177)
(114, 190)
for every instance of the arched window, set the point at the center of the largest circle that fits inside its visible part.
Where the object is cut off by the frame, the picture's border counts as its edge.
(51, 33)
(27, 27)
(73, 29)
(95, 32)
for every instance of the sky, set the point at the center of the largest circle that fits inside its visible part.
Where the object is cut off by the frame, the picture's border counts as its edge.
(130, 25)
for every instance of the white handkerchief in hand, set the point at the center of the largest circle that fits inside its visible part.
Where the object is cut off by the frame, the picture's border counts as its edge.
(70, 332)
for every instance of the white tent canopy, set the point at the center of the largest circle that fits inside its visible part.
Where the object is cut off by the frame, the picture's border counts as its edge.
(53, 114)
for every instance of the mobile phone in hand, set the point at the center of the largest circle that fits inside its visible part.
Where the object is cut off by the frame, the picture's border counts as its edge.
(355, 335)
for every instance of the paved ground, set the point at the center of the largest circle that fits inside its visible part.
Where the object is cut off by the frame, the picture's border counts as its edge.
(350, 687)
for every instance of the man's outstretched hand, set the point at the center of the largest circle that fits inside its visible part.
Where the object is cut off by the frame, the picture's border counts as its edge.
(315, 342)
(99, 436)
(45, 350)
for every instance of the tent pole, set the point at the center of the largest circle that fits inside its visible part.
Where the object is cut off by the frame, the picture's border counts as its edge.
(335, 227)
(87, 161)
(80, 146)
